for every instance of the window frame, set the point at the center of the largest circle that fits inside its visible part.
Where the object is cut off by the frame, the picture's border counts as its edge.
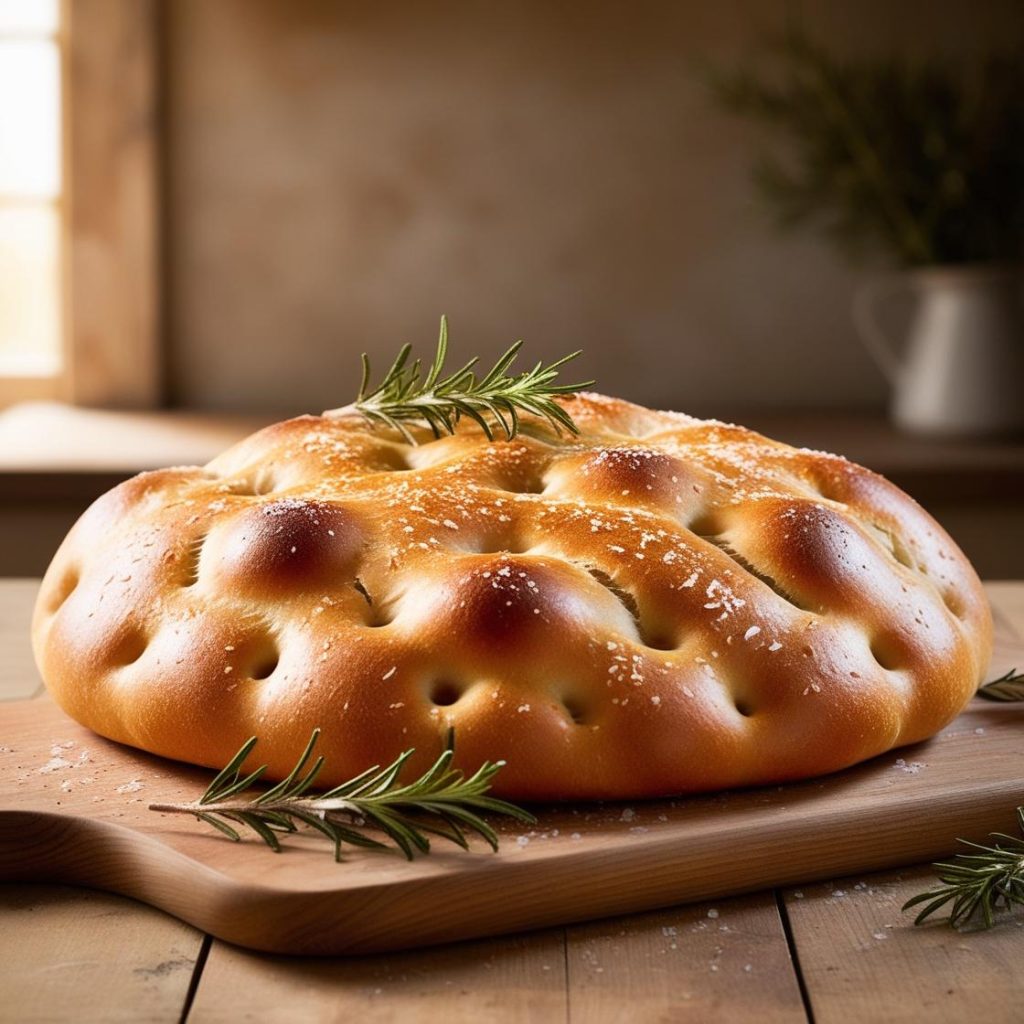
(108, 208)
(26, 386)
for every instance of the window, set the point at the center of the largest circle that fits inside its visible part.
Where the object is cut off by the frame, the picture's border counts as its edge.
(31, 198)
(80, 288)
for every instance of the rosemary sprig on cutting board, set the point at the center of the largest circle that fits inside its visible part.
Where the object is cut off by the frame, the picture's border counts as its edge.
(441, 802)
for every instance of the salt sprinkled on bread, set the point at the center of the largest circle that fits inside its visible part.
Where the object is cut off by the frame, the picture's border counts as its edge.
(659, 605)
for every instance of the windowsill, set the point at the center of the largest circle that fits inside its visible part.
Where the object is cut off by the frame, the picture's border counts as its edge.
(51, 436)
(48, 449)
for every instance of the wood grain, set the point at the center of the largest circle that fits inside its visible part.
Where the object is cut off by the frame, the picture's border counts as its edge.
(863, 959)
(727, 960)
(696, 962)
(74, 810)
(506, 981)
(72, 954)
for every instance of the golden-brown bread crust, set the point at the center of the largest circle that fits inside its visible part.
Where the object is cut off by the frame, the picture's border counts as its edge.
(660, 605)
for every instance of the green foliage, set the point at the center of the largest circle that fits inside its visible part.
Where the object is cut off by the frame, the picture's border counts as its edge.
(441, 802)
(924, 160)
(1008, 687)
(978, 884)
(440, 400)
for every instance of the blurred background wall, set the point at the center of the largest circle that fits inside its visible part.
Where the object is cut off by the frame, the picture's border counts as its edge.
(338, 174)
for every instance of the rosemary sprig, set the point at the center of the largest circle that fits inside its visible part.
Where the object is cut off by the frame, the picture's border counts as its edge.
(978, 883)
(441, 401)
(441, 802)
(1009, 687)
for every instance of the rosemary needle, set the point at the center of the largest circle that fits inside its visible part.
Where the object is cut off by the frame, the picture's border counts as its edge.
(441, 802)
(439, 400)
(1008, 687)
(980, 883)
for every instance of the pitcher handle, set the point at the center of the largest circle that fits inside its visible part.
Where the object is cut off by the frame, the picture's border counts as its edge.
(878, 344)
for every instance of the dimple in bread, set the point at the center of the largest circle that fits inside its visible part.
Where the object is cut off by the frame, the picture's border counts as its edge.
(660, 605)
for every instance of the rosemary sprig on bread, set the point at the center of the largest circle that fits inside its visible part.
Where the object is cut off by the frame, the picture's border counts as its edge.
(441, 802)
(439, 400)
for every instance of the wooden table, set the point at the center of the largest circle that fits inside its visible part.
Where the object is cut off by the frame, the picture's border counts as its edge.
(835, 951)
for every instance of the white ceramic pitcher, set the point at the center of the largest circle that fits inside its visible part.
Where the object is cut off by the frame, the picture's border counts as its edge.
(962, 368)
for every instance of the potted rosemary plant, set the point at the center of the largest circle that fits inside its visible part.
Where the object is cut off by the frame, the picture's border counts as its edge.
(924, 163)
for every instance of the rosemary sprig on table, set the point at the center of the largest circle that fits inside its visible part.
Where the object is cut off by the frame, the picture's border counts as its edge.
(978, 883)
(981, 883)
(440, 401)
(441, 802)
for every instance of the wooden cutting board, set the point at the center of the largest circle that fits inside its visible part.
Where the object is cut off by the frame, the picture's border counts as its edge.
(73, 808)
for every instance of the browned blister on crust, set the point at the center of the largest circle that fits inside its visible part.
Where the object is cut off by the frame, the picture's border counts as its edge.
(659, 605)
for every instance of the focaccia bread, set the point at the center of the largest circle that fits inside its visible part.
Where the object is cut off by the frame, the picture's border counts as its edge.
(659, 605)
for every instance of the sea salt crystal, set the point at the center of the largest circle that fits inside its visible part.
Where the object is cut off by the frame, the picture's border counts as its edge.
(752, 632)
(130, 787)
(712, 913)
(390, 672)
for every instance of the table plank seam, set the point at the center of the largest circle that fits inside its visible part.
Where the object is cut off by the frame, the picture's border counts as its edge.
(194, 981)
(794, 954)
(565, 960)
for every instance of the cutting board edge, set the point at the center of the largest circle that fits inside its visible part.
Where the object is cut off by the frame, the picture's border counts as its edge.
(635, 876)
